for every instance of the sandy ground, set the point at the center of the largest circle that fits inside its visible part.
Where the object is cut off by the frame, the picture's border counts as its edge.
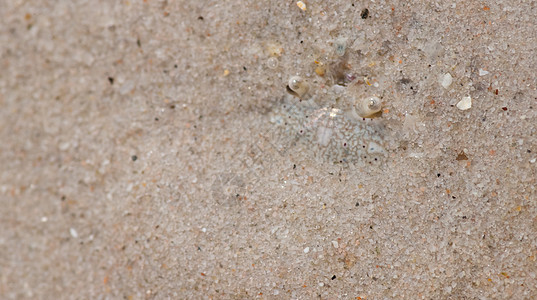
(151, 150)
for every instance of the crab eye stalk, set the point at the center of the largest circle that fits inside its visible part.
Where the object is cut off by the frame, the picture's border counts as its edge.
(297, 86)
(368, 107)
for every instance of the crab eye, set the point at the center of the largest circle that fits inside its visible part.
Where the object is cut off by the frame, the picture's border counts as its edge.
(367, 107)
(373, 104)
(297, 86)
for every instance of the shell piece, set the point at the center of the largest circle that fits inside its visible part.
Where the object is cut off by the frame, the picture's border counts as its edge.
(465, 103)
(367, 107)
(297, 86)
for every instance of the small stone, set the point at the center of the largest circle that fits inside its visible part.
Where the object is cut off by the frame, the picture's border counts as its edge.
(462, 156)
(365, 13)
(307, 249)
(301, 5)
(465, 103)
(446, 80)
(320, 70)
(533, 160)
(73, 233)
(482, 72)
(335, 244)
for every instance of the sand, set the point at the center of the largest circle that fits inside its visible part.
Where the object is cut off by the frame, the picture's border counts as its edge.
(152, 150)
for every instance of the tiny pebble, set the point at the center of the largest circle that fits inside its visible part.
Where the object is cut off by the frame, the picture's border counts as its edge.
(320, 70)
(483, 72)
(204, 229)
(44, 219)
(446, 80)
(307, 249)
(335, 244)
(73, 233)
(465, 103)
(533, 160)
(301, 5)
(321, 284)
(365, 13)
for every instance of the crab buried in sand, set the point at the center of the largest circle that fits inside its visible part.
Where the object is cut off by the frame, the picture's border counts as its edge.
(335, 125)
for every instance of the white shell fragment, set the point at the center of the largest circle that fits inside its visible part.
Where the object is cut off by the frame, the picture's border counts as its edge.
(367, 107)
(446, 80)
(483, 72)
(297, 86)
(465, 103)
